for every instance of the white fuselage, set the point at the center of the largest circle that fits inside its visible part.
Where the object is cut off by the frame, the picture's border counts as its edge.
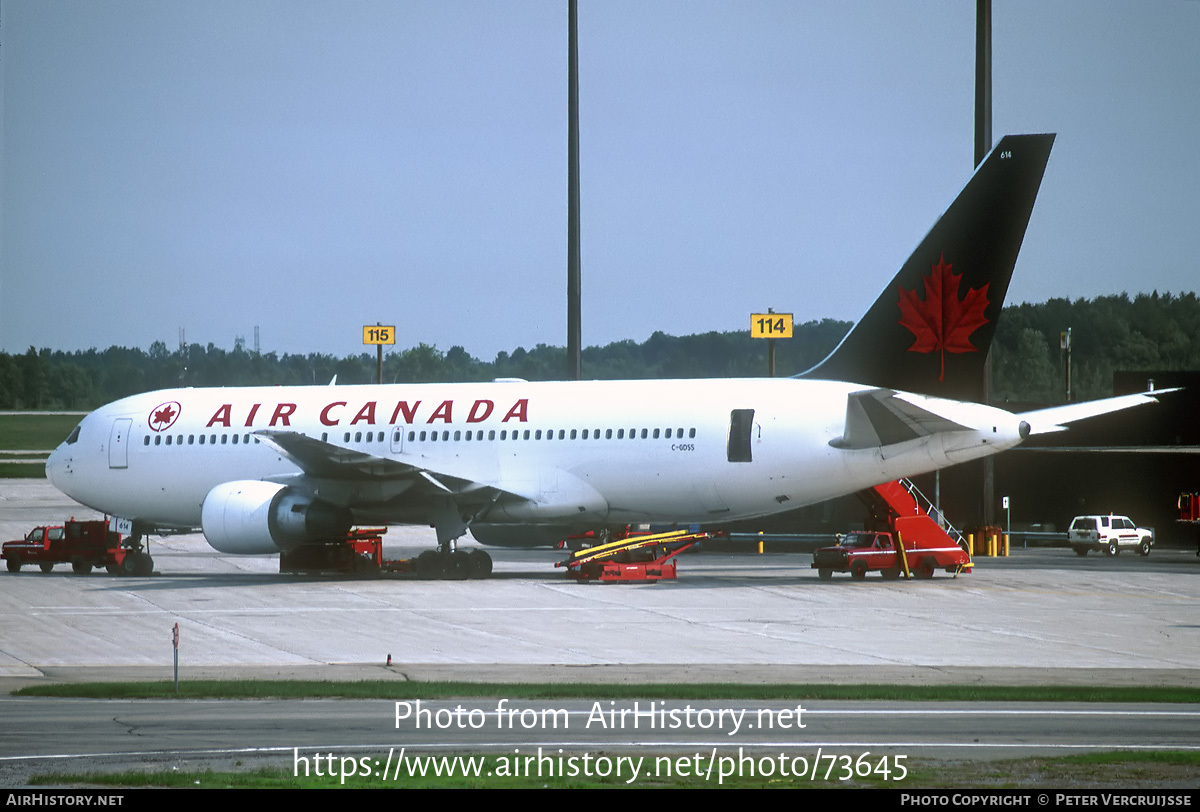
(577, 454)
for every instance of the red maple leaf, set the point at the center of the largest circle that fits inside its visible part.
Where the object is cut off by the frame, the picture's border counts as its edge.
(942, 322)
(163, 415)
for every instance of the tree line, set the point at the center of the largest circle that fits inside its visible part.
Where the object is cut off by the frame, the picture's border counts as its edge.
(1150, 331)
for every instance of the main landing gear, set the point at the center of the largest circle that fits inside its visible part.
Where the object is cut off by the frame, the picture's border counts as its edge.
(453, 565)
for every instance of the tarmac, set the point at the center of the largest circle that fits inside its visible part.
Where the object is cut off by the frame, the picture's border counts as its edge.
(1040, 616)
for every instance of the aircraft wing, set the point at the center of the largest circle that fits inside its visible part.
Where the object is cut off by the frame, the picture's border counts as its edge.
(1054, 418)
(327, 461)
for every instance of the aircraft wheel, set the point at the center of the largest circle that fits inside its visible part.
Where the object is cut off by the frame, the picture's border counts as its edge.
(458, 566)
(825, 575)
(365, 566)
(429, 564)
(858, 570)
(139, 564)
(14, 562)
(81, 567)
(927, 567)
(47, 566)
(480, 564)
(1144, 548)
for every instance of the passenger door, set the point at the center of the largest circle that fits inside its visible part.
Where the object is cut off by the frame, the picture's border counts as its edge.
(118, 443)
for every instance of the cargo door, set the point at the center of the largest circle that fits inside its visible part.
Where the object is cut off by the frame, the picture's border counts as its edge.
(118, 443)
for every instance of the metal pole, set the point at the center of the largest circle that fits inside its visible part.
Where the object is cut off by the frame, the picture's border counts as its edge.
(770, 352)
(574, 284)
(1067, 347)
(983, 144)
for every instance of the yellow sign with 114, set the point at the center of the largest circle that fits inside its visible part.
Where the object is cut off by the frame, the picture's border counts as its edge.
(771, 325)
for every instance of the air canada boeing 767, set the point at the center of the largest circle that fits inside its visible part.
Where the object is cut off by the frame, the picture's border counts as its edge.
(263, 469)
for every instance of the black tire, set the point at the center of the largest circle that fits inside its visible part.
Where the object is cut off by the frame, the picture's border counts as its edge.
(81, 567)
(113, 569)
(480, 564)
(1144, 548)
(1112, 549)
(858, 570)
(429, 564)
(926, 567)
(827, 575)
(891, 573)
(458, 566)
(139, 564)
(14, 562)
(365, 566)
(1080, 551)
(47, 566)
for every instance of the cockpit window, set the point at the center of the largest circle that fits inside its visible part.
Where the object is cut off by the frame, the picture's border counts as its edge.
(74, 435)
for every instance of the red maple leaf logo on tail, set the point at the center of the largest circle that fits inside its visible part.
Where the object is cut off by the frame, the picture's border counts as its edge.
(942, 322)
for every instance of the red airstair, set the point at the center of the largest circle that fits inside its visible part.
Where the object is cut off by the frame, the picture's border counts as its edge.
(901, 508)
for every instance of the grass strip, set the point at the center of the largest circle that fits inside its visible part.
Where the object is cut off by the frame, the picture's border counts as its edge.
(1115, 769)
(393, 689)
(36, 430)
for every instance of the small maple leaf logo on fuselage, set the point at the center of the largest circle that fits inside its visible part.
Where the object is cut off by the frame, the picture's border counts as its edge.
(163, 416)
(941, 322)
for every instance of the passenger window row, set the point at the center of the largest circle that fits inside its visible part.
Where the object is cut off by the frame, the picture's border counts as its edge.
(472, 435)
(444, 436)
(202, 439)
(547, 434)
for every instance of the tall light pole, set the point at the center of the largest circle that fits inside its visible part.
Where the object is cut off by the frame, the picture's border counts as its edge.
(983, 145)
(574, 285)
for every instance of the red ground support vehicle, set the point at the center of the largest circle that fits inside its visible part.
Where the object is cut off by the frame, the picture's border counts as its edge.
(1189, 506)
(927, 545)
(359, 553)
(1189, 512)
(859, 553)
(83, 545)
(632, 557)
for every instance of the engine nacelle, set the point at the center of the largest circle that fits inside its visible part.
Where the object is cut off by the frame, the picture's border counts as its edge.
(252, 517)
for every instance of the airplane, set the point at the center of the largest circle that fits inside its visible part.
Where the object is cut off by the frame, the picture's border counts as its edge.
(262, 469)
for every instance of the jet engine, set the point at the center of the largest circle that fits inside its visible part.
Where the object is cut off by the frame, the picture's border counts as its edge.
(249, 517)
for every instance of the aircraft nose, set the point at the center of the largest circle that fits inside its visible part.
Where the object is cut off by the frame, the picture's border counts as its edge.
(58, 468)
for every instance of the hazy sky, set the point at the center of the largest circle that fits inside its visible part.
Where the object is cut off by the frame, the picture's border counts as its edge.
(309, 167)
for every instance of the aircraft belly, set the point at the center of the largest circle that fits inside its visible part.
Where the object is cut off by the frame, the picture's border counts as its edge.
(561, 496)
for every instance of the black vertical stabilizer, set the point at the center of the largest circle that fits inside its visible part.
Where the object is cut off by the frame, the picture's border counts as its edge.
(930, 330)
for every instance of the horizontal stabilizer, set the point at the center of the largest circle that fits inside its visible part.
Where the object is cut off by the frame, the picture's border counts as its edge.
(1055, 418)
(879, 417)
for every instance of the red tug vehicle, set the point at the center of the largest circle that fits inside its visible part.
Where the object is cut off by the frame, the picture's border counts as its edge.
(82, 544)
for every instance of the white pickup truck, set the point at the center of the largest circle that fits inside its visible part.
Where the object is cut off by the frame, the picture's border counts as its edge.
(1108, 533)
